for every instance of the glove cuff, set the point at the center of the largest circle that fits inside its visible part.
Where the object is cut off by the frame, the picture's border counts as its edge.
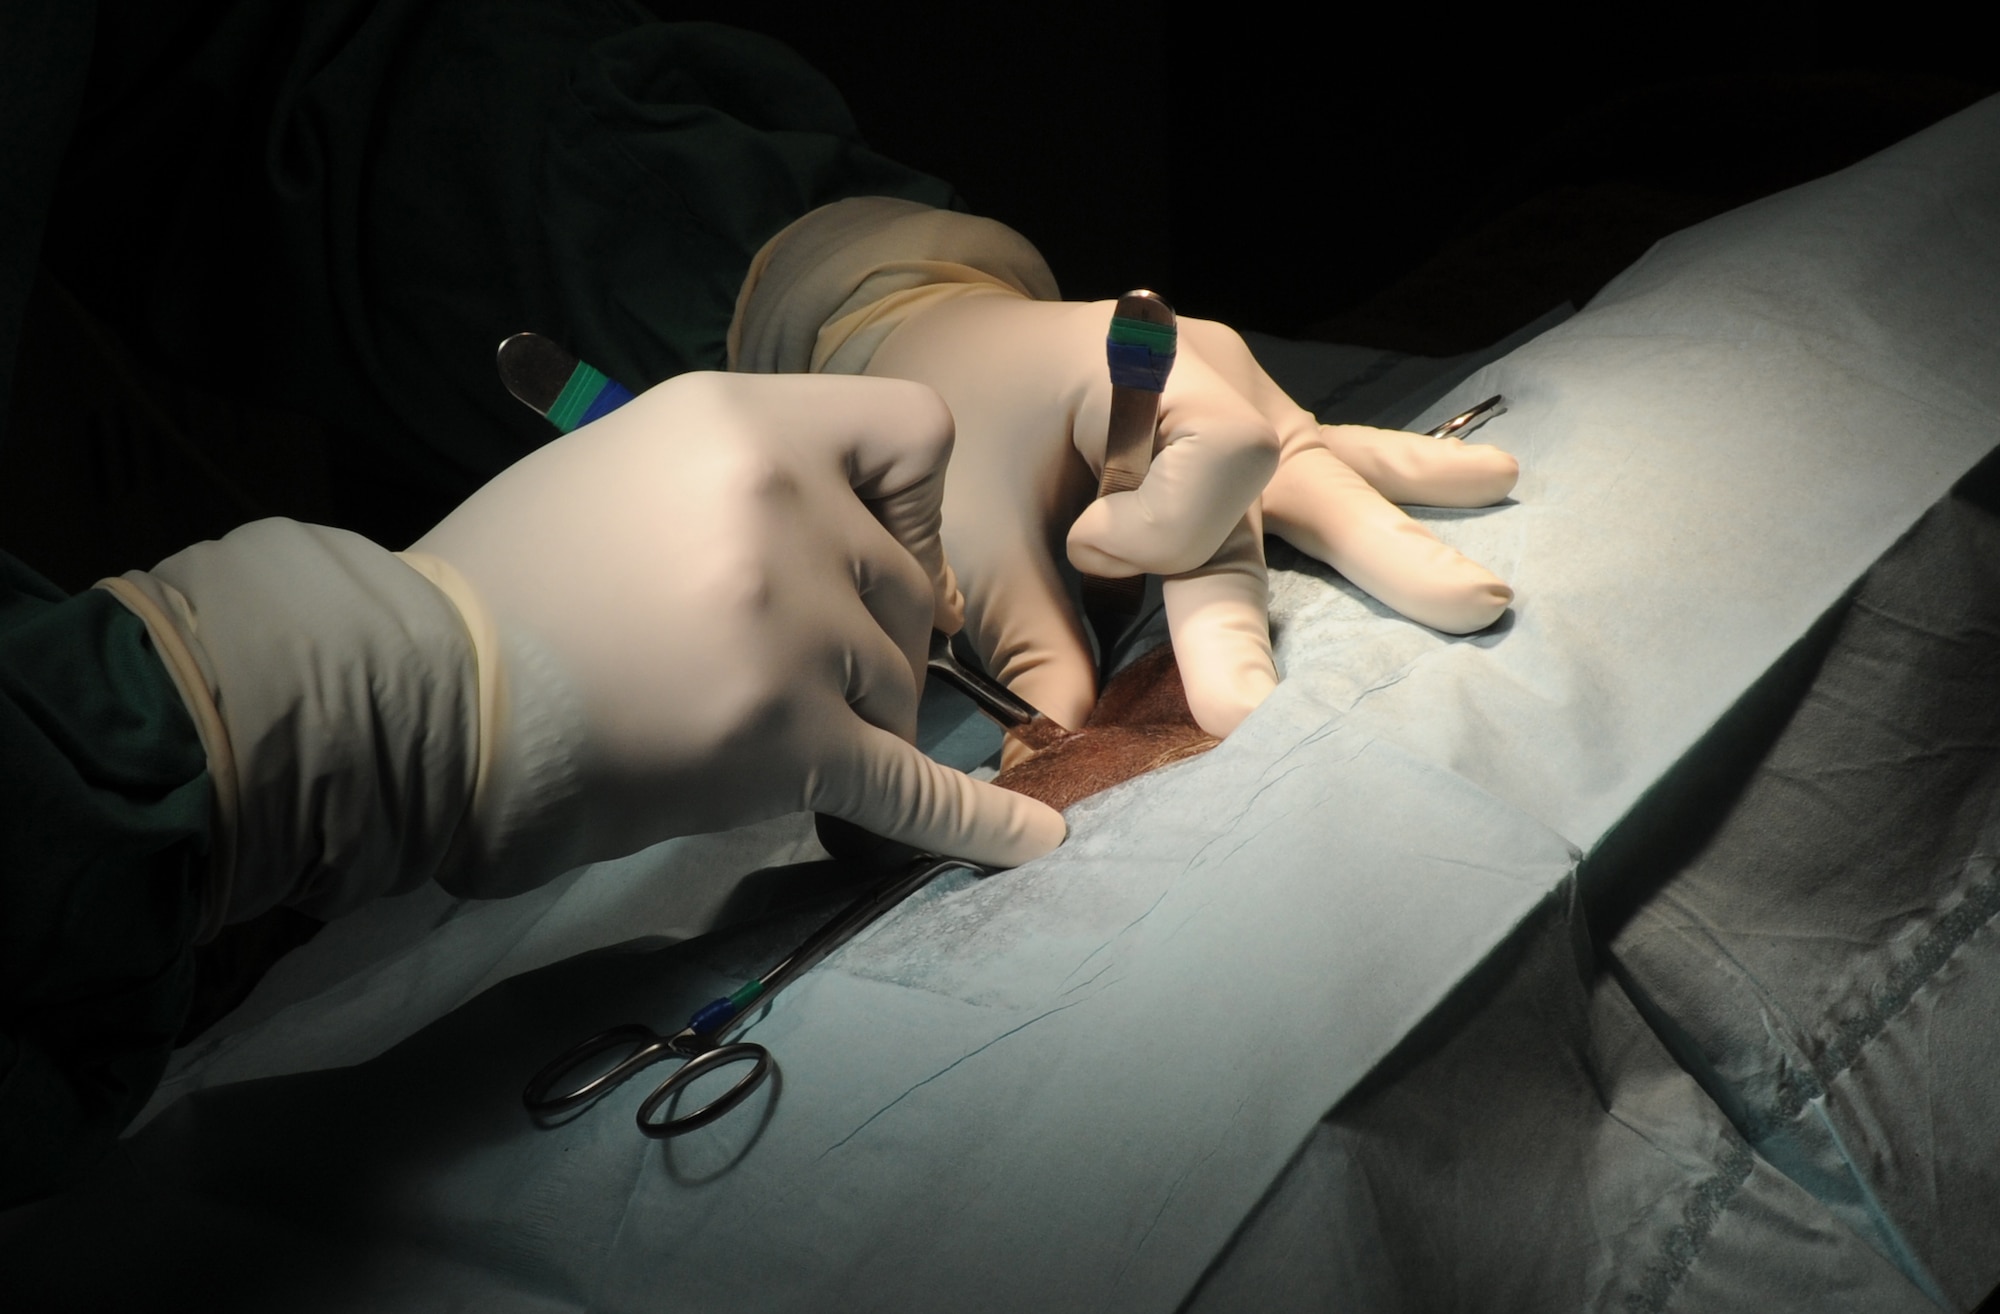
(336, 694)
(526, 825)
(824, 293)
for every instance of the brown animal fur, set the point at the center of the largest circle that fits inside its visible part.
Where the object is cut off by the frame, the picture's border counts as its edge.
(1141, 723)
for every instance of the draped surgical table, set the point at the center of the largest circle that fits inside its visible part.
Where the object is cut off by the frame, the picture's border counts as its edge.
(1636, 954)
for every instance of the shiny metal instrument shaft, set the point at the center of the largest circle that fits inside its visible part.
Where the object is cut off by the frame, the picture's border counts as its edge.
(1466, 421)
(1141, 346)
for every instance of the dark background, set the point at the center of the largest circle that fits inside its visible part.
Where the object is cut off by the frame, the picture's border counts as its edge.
(1425, 178)
(1420, 176)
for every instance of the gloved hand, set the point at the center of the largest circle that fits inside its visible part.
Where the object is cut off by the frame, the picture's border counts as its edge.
(708, 608)
(1027, 383)
(719, 601)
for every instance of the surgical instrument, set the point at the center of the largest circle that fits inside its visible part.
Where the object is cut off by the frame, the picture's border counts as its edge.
(568, 392)
(1466, 421)
(701, 1044)
(1139, 349)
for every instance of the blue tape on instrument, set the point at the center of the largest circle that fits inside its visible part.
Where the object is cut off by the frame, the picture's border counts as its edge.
(710, 1016)
(609, 398)
(1134, 366)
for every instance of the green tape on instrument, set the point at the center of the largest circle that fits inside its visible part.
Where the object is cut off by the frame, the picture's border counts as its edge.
(585, 383)
(1158, 338)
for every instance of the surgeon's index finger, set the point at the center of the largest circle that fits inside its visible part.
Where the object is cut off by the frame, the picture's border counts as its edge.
(1230, 356)
(895, 439)
(1218, 450)
(1219, 619)
(888, 788)
(879, 641)
(1417, 469)
(1403, 467)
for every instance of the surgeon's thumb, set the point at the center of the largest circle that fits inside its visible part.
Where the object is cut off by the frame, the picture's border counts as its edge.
(892, 790)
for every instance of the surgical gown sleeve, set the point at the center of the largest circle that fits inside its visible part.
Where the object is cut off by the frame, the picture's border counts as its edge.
(104, 835)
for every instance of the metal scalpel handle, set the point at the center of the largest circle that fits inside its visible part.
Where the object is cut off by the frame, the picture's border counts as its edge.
(1140, 350)
(545, 377)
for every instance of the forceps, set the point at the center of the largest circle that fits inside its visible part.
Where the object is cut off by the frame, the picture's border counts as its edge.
(703, 1044)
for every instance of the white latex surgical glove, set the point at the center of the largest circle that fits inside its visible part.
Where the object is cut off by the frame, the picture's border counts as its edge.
(1028, 385)
(721, 597)
(710, 607)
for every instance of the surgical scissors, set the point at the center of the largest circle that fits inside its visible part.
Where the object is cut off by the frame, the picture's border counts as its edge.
(702, 1044)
